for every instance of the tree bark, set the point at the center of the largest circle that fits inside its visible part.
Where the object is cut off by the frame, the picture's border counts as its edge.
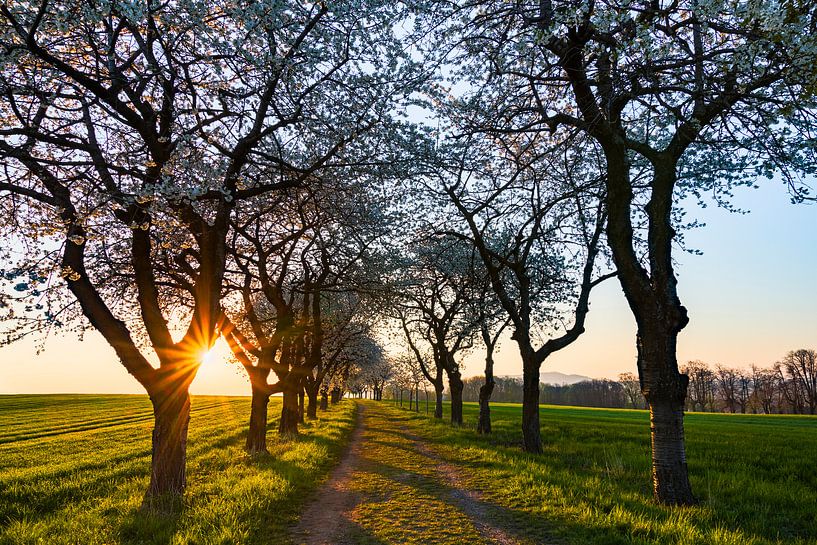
(669, 467)
(531, 435)
(289, 414)
(301, 406)
(324, 400)
(438, 400)
(455, 385)
(485, 391)
(171, 413)
(257, 435)
(665, 390)
(312, 405)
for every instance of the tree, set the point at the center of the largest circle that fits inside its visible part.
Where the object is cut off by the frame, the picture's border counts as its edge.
(801, 367)
(345, 328)
(298, 262)
(129, 132)
(368, 367)
(684, 98)
(492, 323)
(629, 383)
(436, 310)
(587, 393)
(536, 225)
(408, 374)
(701, 386)
(765, 389)
(727, 387)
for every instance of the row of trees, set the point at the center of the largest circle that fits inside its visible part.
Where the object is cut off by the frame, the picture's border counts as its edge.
(178, 167)
(176, 172)
(589, 121)
(789, 386)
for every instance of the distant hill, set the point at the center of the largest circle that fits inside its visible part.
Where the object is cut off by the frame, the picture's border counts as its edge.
(554, 377)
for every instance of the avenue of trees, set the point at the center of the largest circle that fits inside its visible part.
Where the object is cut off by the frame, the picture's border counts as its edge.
(356, 195)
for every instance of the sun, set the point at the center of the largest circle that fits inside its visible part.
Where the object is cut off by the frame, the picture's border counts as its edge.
(207, 356)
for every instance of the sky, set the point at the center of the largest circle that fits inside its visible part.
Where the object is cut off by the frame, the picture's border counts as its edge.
(751, 297)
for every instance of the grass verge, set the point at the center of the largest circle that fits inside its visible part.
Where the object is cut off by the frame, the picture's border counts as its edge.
(74, 468)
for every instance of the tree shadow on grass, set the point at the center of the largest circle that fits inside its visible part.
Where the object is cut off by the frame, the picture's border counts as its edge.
(156, 523)
(95, 495)
(354, 534)
(487, 517)
(40, 498)
(265, 520)
(596, 471)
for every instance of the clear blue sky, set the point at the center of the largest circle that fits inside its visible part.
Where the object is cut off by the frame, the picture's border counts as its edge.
(751, 297)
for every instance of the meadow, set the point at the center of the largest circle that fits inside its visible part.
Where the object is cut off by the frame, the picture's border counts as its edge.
(73, 470)
(755, 476)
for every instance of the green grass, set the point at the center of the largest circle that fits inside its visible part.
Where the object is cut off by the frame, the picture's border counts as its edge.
(73, 470)
(755, 476)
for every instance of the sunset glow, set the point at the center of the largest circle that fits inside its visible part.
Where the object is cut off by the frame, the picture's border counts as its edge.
(208, 356)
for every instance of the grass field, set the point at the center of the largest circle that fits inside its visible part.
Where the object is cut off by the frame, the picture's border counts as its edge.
(755, 475)
(73, 470)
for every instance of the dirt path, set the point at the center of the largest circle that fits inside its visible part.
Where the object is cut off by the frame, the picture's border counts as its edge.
(391, 487)
(327, 518)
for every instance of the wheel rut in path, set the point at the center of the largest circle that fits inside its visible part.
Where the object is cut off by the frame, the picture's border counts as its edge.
(391, 487)
(471, 502)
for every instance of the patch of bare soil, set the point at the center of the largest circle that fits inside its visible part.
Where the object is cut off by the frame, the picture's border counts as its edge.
(327, 520)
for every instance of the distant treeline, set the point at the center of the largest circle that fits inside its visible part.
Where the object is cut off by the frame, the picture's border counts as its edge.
(787, 387)
(589, 393)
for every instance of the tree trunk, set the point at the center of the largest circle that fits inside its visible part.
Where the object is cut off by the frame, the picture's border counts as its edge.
(654, 301)
(532, 441)
(171, 414)
(438, 401)
(665, 390)
(324, 400)
(257, 435)
(301, 397)
(485, 391)
(289, 414)
(455, 385)
(312, 405)
(669, 467)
